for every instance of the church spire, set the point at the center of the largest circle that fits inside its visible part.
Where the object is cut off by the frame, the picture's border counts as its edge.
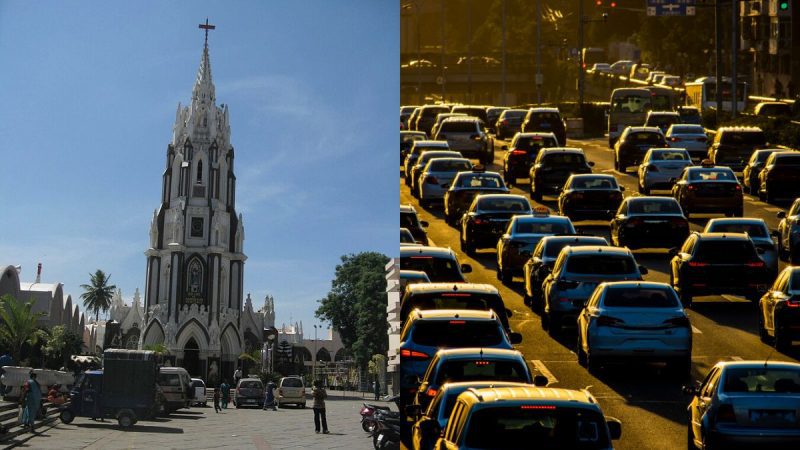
(204, 86)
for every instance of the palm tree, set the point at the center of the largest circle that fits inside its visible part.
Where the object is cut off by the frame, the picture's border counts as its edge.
(98, 294)
(18, 324)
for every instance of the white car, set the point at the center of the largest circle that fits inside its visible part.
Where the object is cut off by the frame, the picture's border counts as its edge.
(691, 137)
(199, 392)
(635, 320)
(435, 178)
(661, 167)
(291, 390)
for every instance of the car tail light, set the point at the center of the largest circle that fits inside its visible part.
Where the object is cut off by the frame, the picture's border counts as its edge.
(674, 139)
(725, 413)
(518, 152)
(504, 122)
(681, 321)
(652, 168)
(690, 187)
(431, 392)
(738, 187)
(457, 322)
(413, 354)
(608, 321)
(793, 304)
(697, 264)
(551, 407)
(755, 264)
(479, 221)
(431, 180)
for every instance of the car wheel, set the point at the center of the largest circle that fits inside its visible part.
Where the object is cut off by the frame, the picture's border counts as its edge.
(466, 247)
(593, 363)
(769, 196)
(782, 340)
(582, 359)
(505, 276)
(686, 297)
(535, 193)
(125, 419)
(554, 324)
(762, 330)
(66, 416)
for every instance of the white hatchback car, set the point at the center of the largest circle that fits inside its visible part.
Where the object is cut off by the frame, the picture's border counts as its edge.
(689, 136)
(635, 319)
(661, 167)
(435, 178)
(291, 391)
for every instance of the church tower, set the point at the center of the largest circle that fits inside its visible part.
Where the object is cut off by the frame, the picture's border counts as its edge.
(195, 263)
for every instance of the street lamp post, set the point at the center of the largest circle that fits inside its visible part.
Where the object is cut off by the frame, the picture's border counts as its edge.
(314, 357)
(419, 53)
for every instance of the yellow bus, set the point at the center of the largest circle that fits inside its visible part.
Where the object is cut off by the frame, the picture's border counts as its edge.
(701, 93)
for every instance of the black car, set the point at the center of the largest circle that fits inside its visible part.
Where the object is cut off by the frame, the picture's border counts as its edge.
(780, 177)
(492, 114)
(487, 219)
(474, 111)
(633, 144)
(590, 196)
(733, 146)
(788, 233)
(439, 264)
(649, 222)
(754, 167)
(718, 263)
(779, 310)
(407, 139)
(709, 189)
(410, 221)
(546, 120)
(510, 122)
(464, 188)
(552, 168)
(427, 116)
(522, 152)
(542, 260)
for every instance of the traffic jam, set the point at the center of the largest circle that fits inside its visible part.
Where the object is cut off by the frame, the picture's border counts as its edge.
(628, 291)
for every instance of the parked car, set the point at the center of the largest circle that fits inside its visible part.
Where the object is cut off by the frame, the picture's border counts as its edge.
(249, 392)
(175, 384)
(291, 391)
(198, 390)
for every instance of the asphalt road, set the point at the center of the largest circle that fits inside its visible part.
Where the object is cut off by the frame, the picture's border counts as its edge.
(649, 403)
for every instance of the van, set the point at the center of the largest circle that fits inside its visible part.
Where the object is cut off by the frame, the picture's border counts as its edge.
(291, 390)
(175, 385)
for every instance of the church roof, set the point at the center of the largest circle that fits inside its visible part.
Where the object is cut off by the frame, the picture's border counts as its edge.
(203, 90)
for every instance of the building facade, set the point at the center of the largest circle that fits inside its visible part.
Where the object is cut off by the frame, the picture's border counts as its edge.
(393, 317)
(193, 299)
(770, 39)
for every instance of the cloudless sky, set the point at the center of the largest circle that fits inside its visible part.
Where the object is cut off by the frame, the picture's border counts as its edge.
(89, 93)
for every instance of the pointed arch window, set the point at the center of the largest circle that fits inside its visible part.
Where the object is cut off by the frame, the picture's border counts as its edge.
(200, 172)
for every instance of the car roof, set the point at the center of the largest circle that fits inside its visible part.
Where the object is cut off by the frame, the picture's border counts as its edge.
(505, 196)
(533, 218)
(723, 236)
(560, 150)
(740, 130)
(640, 198)
(544, 109)
(745, 220)
(663, 113)
(592, 175)
(420, 133)
(407, 208)
(640, 130)
(412, 274)
(475, 352)
(637, 284)
(573, 238)
(597, 249)
(427, 251)
(471, 119)
(498, 396)
(440, 314)
(430, 143)
(754, 364)
(250, 379)
(473, 288)
(536, 133)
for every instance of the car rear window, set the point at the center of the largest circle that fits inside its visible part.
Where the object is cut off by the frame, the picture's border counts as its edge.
(459, 127)
(250, 385)
(661, 119)
(645, 138)
(640, 298)
(292, 382)
(450, 166)
(550, 427)
(601, 264)
(546, 116)
(481, 369)
(725, 251)
(408, 220)
(474, 181)
(665, 206)
(594, 183)
(712, 175)
(670, 156)
(169, 379)
(438, 269)
(514, 114)
(762, 156)
(688, 129)
(630, 103)
(564, 159)
(752, 229)
(433, 112)
(534, 143)
(540, 227)
(457, 333)
(744, 138)
(406, 237)
(455, 300)
(762, 380)
(788, 160)
(503, 204)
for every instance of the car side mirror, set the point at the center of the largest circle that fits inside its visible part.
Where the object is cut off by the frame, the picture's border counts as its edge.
(673, 251)
(781, 214)
(622, 188)
(591, 163)
(505, 147)
(643, 270)
(614, 428)
(423, 223)
(540, 380)
(466, 268)
(509, 313)
(515, 338)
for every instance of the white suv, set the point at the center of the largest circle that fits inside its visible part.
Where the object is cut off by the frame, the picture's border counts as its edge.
(291, 390)
(468, 136)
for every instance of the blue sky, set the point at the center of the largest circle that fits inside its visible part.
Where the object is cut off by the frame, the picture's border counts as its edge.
(90, 91)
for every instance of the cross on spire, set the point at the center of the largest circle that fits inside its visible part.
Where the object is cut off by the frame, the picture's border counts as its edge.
(207, 27)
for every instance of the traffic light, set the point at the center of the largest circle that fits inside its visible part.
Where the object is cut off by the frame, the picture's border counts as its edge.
(783, 5)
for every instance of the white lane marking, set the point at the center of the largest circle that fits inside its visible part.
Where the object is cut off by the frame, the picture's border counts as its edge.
(773, 209)
(608, 170)
(696, 330)
(736, 358)
(750, 199)
(735, 299)
(551, 379)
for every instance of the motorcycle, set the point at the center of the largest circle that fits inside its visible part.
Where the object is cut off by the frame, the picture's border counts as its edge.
(386, 435)
(368, 416)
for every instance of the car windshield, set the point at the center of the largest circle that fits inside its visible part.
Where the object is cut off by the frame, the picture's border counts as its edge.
(688, 129)
(740, 138)
(564, 159)
(630, 104)
(481, 369)
(663, 119)
(459, 127)
(534, 143)
(670, 155)
(406, 237)
(722, 251)
(457, 333)
(762, 380)
(625, 297)
(601, 264)
(169, 379)
(655, 206)
(550, 427)
(545, 116)
(594, 183)
(644, 138)
(514, 114)
(712, 175)
(475, 181)
(503, 204)
(250, 385)
(752, 229)
(449, 166)
(292, 382)
(408, 220)
(438, 269)
(541, 227)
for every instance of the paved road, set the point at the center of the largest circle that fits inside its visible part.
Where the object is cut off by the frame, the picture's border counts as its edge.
(201, 428)
(651, 406)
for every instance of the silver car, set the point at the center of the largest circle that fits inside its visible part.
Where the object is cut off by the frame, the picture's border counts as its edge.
(691, 137)
(758, 232)
(661, 167)
(635, 319)
(746, 403)
(468, 136)
(422, 161)
(435, 178)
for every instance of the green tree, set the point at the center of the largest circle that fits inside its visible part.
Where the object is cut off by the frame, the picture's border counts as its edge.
(18, 325)
(98, 294)
(356, 305)
(60, 344)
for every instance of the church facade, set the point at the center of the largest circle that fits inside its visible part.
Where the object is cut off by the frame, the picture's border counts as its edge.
(193, 298)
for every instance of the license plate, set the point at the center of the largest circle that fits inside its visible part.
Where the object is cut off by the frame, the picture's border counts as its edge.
(655, 221)
(544, 125)
(766, 415)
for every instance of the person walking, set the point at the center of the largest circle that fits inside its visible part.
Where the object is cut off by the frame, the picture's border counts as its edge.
(269, 398)
(216, 400)
(31, 401)
(319, 395)
(226, 393)
(377, 389)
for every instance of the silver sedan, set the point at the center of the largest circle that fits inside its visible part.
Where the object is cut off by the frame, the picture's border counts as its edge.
(691, 137)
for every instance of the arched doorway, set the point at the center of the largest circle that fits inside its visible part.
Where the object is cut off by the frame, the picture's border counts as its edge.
(191, 357)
